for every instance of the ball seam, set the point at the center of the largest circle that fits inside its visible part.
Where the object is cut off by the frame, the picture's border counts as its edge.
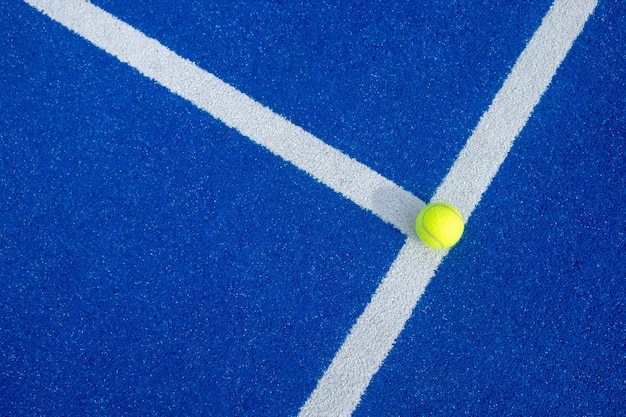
(428, 231)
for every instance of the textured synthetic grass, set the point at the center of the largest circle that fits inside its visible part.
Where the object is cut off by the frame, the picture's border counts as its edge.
(153, 261)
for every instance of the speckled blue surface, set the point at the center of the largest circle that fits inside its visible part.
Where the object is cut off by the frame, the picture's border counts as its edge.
(155, 262)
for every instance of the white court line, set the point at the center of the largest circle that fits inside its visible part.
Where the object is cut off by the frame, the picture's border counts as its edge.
(328, 165)
(341, 387)
(339, 390)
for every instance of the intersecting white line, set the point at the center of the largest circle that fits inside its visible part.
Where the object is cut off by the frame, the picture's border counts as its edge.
(328, 165)
(341, 387)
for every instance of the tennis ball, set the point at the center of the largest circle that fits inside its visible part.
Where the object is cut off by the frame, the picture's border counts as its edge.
(439, 225)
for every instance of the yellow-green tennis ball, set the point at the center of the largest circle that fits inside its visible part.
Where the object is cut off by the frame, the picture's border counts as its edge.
(439, 225)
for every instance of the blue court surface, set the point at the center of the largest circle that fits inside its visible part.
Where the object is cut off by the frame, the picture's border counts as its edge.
(205, 208)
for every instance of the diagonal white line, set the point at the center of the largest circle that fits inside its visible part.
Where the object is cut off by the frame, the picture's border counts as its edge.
(341, 387)
(328, 165)
(512, 106)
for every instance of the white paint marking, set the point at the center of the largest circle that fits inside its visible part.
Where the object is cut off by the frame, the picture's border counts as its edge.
(352, 179)
(341, 387)
(339, 390)
(512, 106)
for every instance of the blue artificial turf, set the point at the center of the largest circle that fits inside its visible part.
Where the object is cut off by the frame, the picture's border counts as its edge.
(399, 86)
(527, 315)
(155, 262)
